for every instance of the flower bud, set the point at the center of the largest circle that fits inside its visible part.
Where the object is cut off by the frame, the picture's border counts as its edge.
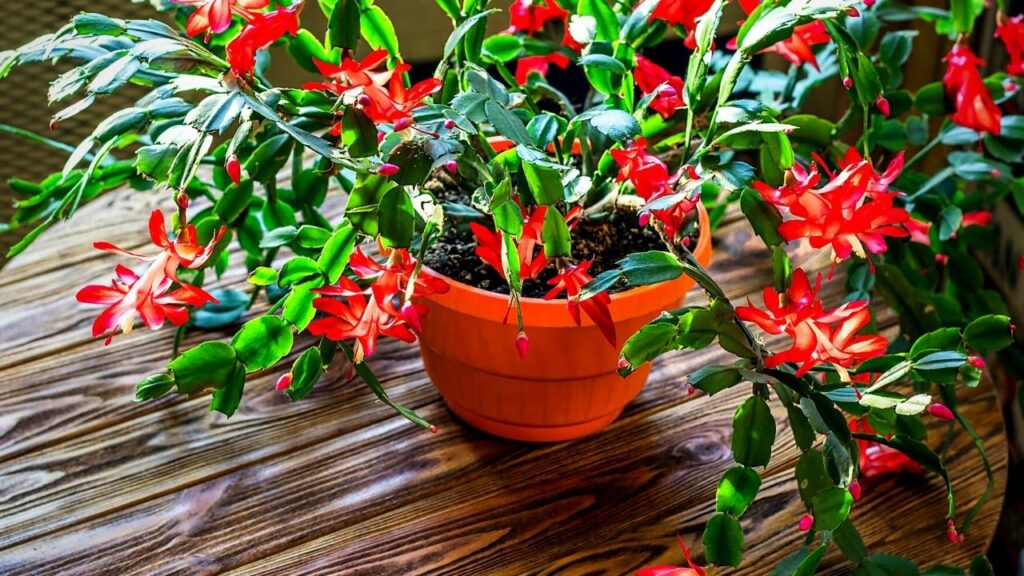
(852, 12)
(806, 522)
(995, 173)
(411, 317)
(234, 169)
(433, 429)
(363, 100)
(977, 361)
(848, 83)
(284, 382)
(522, 345)
(855, 490)
(452, 167)
(449, 124)
(941, 259)
(54, 124)
(402, 124)
(883, 105)
(623, 364)
(951, 533)
(387, 170)
(667, 91)
(869, 3)
(940, 411)
(181, 200)
(644, 219)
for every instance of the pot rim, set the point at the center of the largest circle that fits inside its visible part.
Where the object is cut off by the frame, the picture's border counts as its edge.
(703, 242)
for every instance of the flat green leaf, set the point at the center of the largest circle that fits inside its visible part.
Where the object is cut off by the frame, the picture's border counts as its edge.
(555, 235)
(989, 334)
(652, 267)
(227, 398)
(306, 372)
(298, 269)
(397, 218)
(262, 342)
(154, 386)
(336, 252)
(378, 30)
(831, 507)
(737, 490)
(723, 540)
(753, 433)
(763, 217)
(343, 26)
(713, 379)
(209, 365)
(358, 133)
(263, 276)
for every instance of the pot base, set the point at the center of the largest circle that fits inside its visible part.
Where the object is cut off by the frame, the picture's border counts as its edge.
(532, 433)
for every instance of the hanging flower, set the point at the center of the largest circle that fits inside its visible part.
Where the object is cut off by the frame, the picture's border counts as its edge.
(878, 459)
(797, 49)
(214, 16)
(852, 213)
(531, 258)
(691, 569)
(391, 279)
(539, 65)
(383, 94)
(1011, 32)
(649, 176)
(818, 337)
(653, 78)
(150, 295)
(262, 31)
(358, 318)
(682, 13)
(571, 280)
(975, 108)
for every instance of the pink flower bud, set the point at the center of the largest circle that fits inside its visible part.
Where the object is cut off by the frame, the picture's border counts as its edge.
(667, 91)
(855, 490)
(451, 166)
(977, 361)
(623, 364)
(433, 429)
(364, 100)
(234, 169)
(883, 105)
(869, 3)
(644, 219)
(402, 124)
(284, 382)
(411, 317)
(847, 82)
(522, 345)
(387, 170)
(1020, 263)
(852, 12)
(940, 411)
(686, 242)
(951, 533)
(995, 173)
(941, 259)
(182, 200)
(449, 124)
(806, 522)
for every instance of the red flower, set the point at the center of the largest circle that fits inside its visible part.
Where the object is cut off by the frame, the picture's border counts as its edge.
(530, 16)
(650, 77)
(878, 459)
(214, 16)
(682, 13)
(975, 108)
(262, 31)
(797, 48)
(665, 570)
(976, 218)
(359, 318)
(391, 279)
(386, 97)
(853, 213)
(649, 176)
(531, 260)
(150, 295)
(919, 230)
(1011, 32)
(539, 65)
(818, 336)
(571, 280)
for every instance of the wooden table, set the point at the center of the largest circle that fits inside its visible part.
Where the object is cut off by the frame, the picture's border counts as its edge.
(94, 483)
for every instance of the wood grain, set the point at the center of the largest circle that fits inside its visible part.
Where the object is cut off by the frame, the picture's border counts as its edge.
(91, 482)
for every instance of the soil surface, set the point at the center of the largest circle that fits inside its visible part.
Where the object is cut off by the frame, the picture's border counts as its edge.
(605, 241)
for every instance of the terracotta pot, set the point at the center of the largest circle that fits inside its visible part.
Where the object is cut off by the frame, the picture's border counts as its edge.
(567, 386)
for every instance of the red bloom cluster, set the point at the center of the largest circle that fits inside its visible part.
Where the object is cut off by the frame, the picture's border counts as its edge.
(650, 78)
(878, 459)
(819, 337)
(853, 212)
(150, 295)
(649, 176)
(975, 108)
(389, 311)
(797, 49)
(682, 13)
(261, 31)
(539, 65)
(530, 17)
(214, 16)
(387, 100)
(531, 259)
(571, 280)
(1011, 32)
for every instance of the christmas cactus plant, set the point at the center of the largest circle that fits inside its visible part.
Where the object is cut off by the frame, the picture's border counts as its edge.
(486, 154)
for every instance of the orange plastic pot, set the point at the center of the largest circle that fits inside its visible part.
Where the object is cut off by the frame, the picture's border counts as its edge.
(567, 386)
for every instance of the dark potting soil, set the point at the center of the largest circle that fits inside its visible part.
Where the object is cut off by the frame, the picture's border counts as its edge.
(605, 241)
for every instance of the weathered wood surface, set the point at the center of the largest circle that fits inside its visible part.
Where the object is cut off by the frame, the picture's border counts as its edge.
(93, 483)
